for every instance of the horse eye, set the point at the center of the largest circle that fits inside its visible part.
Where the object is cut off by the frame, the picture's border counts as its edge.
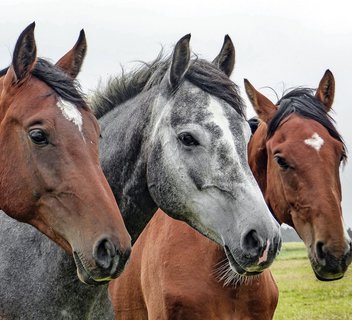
(38, 136)
(187, 139)
(281, 162)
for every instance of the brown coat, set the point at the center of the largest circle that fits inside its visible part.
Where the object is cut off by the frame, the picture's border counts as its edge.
(167, 278)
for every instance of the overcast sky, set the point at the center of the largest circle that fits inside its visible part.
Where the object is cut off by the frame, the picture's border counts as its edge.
(278, 43)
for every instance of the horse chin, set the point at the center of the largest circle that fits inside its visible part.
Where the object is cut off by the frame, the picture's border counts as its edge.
(84, 275)
(323, 275)
(237, 268)
(328, 277)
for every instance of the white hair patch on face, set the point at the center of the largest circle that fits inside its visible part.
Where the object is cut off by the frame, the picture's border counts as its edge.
(220, 119)
(315, 141)
(71, 113)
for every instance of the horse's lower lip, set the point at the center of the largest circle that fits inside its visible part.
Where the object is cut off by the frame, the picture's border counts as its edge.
(84, 275)
(236, 266)
(329, 277)
(325, 276)
(326, 273)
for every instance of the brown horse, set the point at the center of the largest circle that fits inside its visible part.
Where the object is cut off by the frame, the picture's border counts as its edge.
(50, 175)
(175, 273)
(295, 155)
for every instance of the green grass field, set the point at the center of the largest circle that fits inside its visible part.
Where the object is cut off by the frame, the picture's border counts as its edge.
(302, 296)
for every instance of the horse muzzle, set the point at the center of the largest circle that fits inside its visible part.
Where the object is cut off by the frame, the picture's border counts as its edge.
(107, 263)
(328, 267)
(254, 254)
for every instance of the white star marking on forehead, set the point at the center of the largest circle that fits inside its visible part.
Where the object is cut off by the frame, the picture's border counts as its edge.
(71, 113)
(315, 141)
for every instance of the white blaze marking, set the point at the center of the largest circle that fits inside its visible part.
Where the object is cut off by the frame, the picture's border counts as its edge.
(220, 119)
(159, 115)
(71, 113)
(249, 184)
(315, 141)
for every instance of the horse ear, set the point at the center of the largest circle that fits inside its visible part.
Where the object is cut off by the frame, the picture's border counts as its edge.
(180, 61)
(264, 108)
(25, 54)
(225, 60)
(326, 90)
(72, 61)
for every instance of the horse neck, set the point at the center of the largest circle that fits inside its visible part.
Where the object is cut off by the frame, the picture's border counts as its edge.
(124, 161)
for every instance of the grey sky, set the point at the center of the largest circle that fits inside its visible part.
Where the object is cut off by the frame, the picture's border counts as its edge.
(278, 43)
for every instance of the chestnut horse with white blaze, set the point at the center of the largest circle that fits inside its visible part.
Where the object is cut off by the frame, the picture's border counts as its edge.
(50, 176)
(176, 273)
(295, 155)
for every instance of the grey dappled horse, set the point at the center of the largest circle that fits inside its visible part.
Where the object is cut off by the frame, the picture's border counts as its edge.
(38, 279)
(174, 136)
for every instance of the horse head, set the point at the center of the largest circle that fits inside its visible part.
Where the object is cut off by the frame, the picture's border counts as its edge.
(197, 158)
(295, 155)
(50, 176)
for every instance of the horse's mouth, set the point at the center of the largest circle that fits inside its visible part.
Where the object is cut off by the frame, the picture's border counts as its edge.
(325, 275)
(85, 276)
(328, 277)
(236, 267)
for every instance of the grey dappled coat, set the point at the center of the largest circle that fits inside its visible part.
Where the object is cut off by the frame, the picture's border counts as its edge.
(38, 279)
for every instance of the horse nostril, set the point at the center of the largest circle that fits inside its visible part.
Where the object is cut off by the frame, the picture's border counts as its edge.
(252, 243)
(321, 252)
(104, 253)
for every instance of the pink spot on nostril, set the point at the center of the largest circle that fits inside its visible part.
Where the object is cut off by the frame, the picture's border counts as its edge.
(264, 256)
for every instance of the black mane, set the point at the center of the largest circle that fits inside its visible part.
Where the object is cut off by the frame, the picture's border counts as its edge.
(303, 102)
(201, 73)
(65, 87)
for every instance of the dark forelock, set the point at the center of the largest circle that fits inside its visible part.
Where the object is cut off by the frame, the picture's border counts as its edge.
(64, 86)
(303, 102)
